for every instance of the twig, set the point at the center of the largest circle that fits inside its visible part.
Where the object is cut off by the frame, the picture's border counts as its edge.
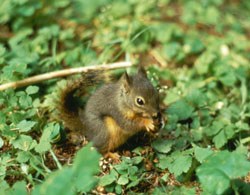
(62, 73)
(159, 58)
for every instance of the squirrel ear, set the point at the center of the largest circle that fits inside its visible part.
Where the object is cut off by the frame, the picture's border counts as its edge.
(142, 71)
(126, 81)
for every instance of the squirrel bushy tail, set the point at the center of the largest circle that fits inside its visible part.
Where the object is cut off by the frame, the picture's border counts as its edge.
(68, 106)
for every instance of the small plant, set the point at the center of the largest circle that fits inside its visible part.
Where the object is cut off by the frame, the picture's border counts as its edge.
(123, 176)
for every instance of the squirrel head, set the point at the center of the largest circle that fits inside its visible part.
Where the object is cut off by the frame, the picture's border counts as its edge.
(139, 95)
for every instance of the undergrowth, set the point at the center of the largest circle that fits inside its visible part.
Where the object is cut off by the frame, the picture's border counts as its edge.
(197, 51)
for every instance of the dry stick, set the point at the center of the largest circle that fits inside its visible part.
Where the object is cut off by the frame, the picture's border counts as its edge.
(62, 73)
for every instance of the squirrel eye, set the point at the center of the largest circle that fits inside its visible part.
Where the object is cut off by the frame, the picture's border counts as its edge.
(140, 101)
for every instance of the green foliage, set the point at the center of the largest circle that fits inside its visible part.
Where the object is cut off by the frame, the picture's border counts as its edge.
(177, 163)
(25, 125)
(181, 109)
(18, 188)
(79, 177)
(47, 137)
(218, 171)
(162, 145)
(127, 174)
(199, 49)
(182, 190)
(202, 153)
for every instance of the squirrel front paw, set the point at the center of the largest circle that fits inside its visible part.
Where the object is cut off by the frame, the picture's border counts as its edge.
(148, 124)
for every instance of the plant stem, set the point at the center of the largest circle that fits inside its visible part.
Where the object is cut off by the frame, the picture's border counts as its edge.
(55, 159)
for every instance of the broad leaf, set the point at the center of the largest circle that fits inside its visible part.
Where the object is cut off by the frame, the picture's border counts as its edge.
(219, 169)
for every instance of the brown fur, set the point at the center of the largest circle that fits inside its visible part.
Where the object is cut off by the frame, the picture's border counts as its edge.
(117, 136)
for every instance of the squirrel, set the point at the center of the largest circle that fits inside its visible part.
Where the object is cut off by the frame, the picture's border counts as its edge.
(114, 112)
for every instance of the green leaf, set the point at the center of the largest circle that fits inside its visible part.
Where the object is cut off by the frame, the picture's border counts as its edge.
(202, 153)
(197, 98)
(228, 79)
(177, 163)
(162, 145)
(215, 128)
(220, 139)
(32, 90)
(118, 189)
(159, 191)
(14, 67)
(219, 169)
(136, 160)
(172, 96)
(43, 147)
(24, 142)
(163, 32)
(204, 61)
(119, 9)
(229, 131)
(165, 161)
(23, 156)
(133, 183)
(165, 177)
(183, 190)
(19, 188)
(180, 165)
(132, 172)
(84, 170)
(123, 180)
(193, 45)
(25, 101)
(70, 180)
(123, 167)
(25, 125)
(56, 183)
(181, 109)
(44, 143)
(197, 134)
(3, 186)
(107, 179)
(242, 126)
(171, 49)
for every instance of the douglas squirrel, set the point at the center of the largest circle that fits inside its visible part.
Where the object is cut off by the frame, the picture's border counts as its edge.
(115, 112)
